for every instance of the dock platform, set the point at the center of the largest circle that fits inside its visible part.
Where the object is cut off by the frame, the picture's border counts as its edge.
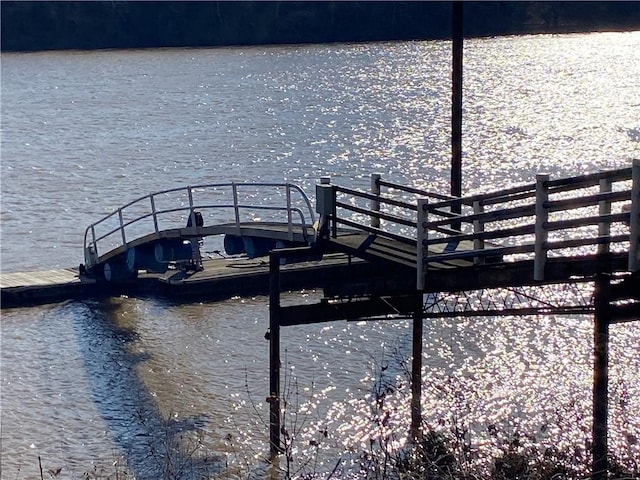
(220, 279)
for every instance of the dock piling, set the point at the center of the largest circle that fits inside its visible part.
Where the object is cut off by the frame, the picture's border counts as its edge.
(275, 446)
(602, 319)
(416, 371)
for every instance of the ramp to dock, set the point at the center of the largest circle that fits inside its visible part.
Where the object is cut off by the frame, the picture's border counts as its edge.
(157, 229)
(592, 219)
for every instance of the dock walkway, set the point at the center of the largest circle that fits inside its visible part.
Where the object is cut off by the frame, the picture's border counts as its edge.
(553, 231)
(219, 279)
(491, 254)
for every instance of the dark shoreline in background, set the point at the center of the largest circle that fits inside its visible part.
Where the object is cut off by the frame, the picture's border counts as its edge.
(89, 25)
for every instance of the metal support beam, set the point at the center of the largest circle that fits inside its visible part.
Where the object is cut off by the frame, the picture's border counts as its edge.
(602, 319)
(274, 354)
(604, 209)
(416, 372)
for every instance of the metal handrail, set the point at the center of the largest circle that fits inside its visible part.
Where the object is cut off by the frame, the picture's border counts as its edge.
(91, 239)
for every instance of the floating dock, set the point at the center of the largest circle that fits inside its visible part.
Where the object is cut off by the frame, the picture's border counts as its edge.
(218, 280)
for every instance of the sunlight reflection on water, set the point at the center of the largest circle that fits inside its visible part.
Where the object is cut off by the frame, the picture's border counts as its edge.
(84, 132)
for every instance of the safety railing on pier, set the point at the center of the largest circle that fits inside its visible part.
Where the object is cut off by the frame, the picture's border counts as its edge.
(551, 218)
(389, 210)
(217, 203)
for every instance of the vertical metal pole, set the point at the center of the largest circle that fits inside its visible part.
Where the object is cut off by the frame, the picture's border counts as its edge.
(236, 207)
(416, 371)
(322, 208)
(95, 245)
(416, 363)
(542, 215)
(154, 213)
(190, 194)
(289, 219)
(121, 218)
(456, 100)
(602, 318)
(375, 204)
(604, 208)
(91, 251)
(274, 354)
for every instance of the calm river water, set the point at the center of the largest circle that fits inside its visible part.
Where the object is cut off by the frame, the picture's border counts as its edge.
(89, 384)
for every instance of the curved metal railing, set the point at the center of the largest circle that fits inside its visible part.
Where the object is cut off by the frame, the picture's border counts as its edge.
(219, 203)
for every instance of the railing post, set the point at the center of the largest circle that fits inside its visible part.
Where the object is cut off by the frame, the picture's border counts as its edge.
(421, 248)
(325, 205)
(604, 208)
(190, 194)
(289, 220)
(542, 216)
(334, 212)
(236, 208)
(375, 204)
(124, 237)
(154, 213)
(91, 253)
(634, 219)
(93, 237)
(478, 228)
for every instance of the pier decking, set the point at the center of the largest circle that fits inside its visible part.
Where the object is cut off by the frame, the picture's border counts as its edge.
(219, 279)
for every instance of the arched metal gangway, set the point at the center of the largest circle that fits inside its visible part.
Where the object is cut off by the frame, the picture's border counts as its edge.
(163, 228)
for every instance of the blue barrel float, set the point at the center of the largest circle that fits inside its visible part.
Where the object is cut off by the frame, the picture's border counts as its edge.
(252, 246)
(257, 246)
(115, 272)
(144, 258)
(233, 244)
(173, 251)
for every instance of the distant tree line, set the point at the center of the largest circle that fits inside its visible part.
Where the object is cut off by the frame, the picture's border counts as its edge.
(55, 25)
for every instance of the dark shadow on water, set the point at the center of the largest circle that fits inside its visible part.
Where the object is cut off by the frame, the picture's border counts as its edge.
(152, 445)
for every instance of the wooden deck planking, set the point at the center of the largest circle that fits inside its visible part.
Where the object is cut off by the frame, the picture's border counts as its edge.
(221, 278)
(385, 249)
(39, 278)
